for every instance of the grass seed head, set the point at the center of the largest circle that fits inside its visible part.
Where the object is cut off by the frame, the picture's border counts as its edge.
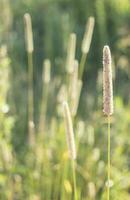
(107, 82)
(47, 71)
(71, 53)
(69, 131)
(28, 33)
(73, 93)
(88, 35)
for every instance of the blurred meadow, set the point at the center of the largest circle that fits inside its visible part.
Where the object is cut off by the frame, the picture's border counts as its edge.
(35, 80)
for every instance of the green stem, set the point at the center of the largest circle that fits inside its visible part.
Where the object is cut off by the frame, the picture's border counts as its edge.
(43, 113)
(74, 179)
(30, 99)
(65, 172)
(82, 65)
(109, 159)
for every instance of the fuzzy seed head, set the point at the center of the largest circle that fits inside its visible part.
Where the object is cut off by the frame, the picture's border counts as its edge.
(69, 131)
(73, 87)
(77, 99)
(28, 33)
(47, 71)
(71, 53)
(88, 35)
(107, 82)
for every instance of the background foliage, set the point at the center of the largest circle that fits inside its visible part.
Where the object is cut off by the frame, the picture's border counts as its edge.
(37, 174)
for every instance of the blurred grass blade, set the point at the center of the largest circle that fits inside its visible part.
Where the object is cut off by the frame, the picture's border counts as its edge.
(46, 71)
(28, 33)
(73, 88)
(46, 77)
(71, 53)
(86, 44)
(88, 35)
(71, 143)
(29, 46)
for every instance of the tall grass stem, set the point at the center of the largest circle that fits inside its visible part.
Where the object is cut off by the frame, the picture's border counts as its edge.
(82, 65)
(71, 143)
(109, 158)
(30, 99)
(74, 179)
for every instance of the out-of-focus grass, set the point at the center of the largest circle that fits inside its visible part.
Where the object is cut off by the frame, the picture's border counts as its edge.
(44, 171)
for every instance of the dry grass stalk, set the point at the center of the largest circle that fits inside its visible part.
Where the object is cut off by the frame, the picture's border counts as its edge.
(28, 33)
(107, 82)
(88, 35)
(71, 53)
(69, 131)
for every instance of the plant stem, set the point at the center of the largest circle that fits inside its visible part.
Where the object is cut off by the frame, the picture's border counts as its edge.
(109, 159)
(74, 179)
(30, 99)
(82, 65)
(43, 110)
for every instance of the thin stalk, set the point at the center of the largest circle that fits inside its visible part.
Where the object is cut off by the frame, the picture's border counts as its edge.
(65, 172)
(44, 104)
(30, 99)
(82, 65)
(109, 158)
(74, 179)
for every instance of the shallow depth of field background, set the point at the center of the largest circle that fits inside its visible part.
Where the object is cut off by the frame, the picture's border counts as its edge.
(44, 173)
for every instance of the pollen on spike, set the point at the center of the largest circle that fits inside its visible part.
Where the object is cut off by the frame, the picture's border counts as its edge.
(107, 82)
